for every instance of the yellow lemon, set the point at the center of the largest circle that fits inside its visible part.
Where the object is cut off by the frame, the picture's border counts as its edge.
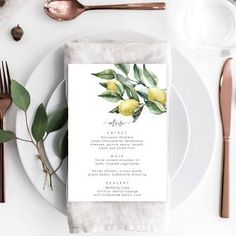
(112, 86)
(127, 107)
(156, 94)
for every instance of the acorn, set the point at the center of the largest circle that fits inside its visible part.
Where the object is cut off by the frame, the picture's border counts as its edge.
(17, 33)
(2, 2)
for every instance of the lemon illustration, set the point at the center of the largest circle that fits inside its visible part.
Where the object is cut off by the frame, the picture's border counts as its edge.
(112, 86)
(156, 94)
(127, 107)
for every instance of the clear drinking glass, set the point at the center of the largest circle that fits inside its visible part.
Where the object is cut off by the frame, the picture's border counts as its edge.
(211, 25)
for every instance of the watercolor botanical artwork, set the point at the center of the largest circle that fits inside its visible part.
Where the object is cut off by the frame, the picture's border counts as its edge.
(118, 132)
(130, 88)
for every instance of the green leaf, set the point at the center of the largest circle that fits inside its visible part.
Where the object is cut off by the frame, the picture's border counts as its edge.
(120, 88)
(106, 74)
(137, 113)
(115, 110)
(131, 92)
(103, 84)
(123, 80)
(150, 77)
(57, 120)
(142, 94)
(40, 122)
(63, 146)
(20, 96)
(137, 73)
(125, 68)
(160, 106)
(6, 136)
(155, 107)
(110, 96)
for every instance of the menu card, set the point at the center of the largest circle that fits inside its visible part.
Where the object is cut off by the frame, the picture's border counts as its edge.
(118, 132)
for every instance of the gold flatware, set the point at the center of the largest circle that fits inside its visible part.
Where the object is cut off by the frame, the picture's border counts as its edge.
(5, 102)
(70, 9)
(225, 108)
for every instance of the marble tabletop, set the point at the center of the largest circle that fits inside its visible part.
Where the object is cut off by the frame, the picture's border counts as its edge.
(26, 212)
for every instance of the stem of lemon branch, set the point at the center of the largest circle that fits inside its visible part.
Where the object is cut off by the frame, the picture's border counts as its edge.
(137, 83)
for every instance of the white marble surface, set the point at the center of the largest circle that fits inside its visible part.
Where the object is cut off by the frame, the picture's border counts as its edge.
(10, 7)
(26, 212)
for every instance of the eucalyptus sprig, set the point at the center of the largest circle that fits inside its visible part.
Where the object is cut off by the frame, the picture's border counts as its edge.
(43, 125)
(134, 89)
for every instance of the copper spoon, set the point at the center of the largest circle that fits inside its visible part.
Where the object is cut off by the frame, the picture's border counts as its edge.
(70, 9)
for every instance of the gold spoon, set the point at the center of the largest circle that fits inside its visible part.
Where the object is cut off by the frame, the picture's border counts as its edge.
(70, 9)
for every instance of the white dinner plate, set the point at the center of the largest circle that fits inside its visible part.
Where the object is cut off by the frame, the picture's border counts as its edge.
(192, 124)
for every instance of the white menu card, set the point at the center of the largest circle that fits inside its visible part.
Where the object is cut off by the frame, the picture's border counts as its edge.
(118, 132)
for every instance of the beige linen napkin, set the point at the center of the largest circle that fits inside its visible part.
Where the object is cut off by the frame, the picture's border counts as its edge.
(102, 216)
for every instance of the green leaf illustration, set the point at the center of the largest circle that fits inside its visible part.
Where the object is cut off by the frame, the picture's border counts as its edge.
(160, 106)
(155, 107)
(106, 74)
(123, 80)
(137, 113)
(142, 94)
(110, 96)
(6, 136)
(115, 110)
(137, 73)
(131, 92)
(104, 85)
(57, 120)
(63, 146)
(125, 68)
(150, 77)
(40, 122)
(20, 96)
(120, 88)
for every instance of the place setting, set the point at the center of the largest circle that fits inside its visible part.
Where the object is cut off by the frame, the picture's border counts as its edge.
(116, 128)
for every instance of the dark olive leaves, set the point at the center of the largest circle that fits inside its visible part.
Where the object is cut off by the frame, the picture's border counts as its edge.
(155, 107)
(142, 94)
(40, 123)
(104, 85)
(137, 113)
(123, 80)
(106, 74)
(110, 96)
(6, 136)
(115, 110)
(63, 146)
(120, 88)
(137, 73)
(57, 120)
(125, 68)
(131, 92)
(150, 77)
(20, 96)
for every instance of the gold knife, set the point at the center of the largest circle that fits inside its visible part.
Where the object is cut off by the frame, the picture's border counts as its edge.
(226, 88)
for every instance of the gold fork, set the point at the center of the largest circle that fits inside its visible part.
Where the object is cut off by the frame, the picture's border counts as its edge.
(5, 102)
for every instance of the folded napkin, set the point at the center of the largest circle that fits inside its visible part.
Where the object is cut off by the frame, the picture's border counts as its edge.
(102, 216)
